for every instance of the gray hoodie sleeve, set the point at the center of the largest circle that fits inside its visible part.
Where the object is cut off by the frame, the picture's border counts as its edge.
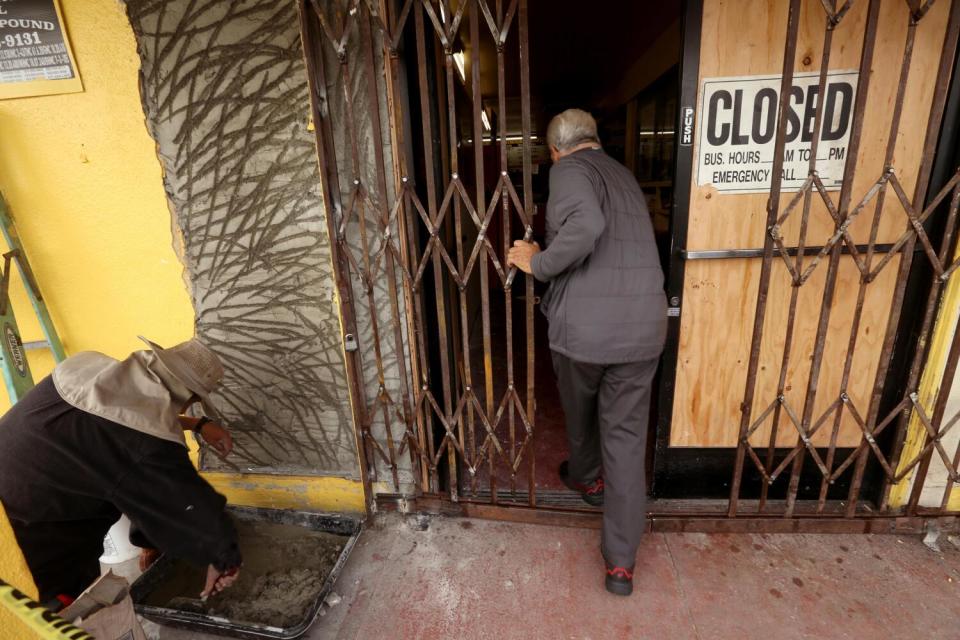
(574, 212)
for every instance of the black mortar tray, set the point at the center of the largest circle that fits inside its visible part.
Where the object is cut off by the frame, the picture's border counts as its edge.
(151, 578)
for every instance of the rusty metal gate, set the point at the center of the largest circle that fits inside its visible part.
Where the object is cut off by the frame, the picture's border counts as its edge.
(394, 248)
(419, 263)
(914, 210)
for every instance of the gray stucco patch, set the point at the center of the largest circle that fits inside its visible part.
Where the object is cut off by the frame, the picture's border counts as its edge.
(225, 94)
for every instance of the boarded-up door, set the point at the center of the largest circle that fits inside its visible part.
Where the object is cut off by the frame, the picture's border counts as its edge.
(796, 374)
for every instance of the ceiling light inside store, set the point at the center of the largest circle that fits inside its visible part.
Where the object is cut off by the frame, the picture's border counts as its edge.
(460, 61)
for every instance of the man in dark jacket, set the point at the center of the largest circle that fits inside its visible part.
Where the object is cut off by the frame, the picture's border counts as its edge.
(607, 314)
(101, 437)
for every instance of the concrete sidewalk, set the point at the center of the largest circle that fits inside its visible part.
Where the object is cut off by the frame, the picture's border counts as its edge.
(462, 578)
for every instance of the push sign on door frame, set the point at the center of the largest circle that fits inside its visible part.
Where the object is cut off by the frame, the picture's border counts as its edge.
(738, 126)
(686, 127)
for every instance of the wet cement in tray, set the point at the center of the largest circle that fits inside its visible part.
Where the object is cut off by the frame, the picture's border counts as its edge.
(284, 568)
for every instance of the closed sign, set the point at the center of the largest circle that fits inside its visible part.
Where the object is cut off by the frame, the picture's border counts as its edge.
(738, 130)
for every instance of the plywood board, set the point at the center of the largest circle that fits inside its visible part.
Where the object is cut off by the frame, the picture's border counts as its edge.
(716, 329)
(720, 296)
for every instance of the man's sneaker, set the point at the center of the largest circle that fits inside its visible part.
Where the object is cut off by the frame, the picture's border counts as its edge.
(619, 580)
(591, 493)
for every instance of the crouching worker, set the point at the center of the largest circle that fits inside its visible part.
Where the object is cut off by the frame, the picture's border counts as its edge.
(101, 437)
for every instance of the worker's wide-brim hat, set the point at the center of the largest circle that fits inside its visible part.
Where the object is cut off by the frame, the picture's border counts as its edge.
(193, 364)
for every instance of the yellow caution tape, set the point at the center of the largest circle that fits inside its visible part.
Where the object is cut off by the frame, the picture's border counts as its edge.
(43, 622)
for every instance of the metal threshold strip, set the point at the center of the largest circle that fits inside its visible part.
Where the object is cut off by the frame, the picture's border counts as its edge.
(675, 516)
(725, 254)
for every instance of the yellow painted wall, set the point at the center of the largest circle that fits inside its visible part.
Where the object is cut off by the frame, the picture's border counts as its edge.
(932, 385)
(14, 571)
(310, 493)
(82, 179)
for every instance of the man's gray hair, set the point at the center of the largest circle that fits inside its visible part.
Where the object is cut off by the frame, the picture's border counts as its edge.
(570, 128)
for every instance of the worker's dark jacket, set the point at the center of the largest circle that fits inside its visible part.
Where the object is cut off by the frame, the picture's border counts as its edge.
(605, 303)
(66, 476)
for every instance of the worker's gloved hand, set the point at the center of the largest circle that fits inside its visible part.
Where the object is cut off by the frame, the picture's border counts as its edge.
(217, 580)
(217, 437)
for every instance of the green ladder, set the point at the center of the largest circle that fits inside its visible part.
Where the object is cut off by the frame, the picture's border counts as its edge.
(16, 368)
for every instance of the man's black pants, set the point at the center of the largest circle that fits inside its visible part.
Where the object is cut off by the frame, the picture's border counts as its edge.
(607, 413)
(64, 557)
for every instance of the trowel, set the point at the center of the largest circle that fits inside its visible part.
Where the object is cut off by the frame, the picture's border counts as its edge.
(194, 605)
(190, 605)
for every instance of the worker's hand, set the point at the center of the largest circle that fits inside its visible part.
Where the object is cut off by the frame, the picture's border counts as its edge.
(148, 557)
(217, 437)
(520, 255)
(217, 581)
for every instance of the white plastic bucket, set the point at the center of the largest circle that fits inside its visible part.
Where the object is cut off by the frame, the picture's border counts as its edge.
(116, 545)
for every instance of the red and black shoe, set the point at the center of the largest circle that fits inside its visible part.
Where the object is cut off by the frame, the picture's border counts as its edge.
(591, 493)
(619, 580)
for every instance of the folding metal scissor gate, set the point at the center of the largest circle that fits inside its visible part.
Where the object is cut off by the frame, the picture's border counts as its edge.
(420, 262)
(886, 202)
(410, 286)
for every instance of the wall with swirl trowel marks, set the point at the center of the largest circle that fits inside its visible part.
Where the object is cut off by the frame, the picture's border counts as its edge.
(224, 91)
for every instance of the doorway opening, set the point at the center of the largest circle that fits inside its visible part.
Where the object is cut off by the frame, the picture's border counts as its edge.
(484, 123)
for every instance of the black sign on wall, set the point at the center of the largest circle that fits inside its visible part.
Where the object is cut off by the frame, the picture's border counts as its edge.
(35, 55)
